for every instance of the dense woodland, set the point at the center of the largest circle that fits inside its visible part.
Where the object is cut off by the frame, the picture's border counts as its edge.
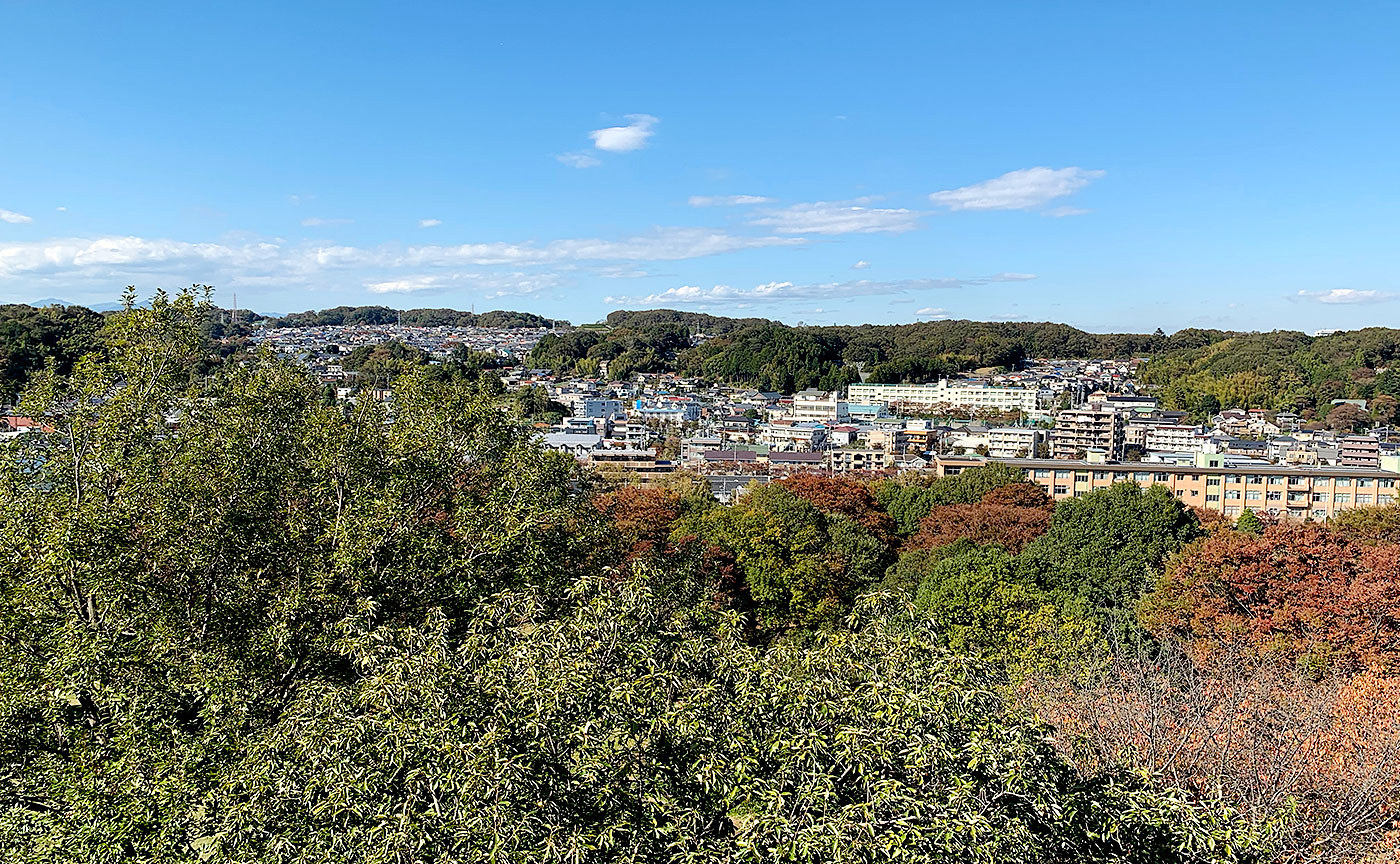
(283, 629)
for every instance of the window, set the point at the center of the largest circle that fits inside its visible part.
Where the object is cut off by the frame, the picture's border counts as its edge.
(1212, 497)
(1322, 481)
(1062, 475)
(1232, 478)
(1385, 499)
(1319, 514)
(1119, 476)
(1364, 498)
(1275, 496)
(1320, 497)
(1368, 482)
(1081, 476)
(1387, 484)
(1212, 481)
(1341, 498)
(1297, 496)
(1256, 478)
(1100, 475)
(1142, 476)
(1061, 490)
(1275, 480)
(1232, 495)
(1079, 493)
(1252, 495)
(1232, 511)
(1161, 477)
(1343, 481)
(1042, 472)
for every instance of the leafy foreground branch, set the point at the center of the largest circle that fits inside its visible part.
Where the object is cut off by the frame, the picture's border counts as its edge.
(239, 624)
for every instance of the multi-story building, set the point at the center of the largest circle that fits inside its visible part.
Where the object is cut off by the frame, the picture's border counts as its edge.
(606, 409)
(846, 459)
(1008, 442)
(961, 395)
(1359, 451)
(819, 406)
(1079, 430)
(1215, 482)
(1179, 438)
(631, 466)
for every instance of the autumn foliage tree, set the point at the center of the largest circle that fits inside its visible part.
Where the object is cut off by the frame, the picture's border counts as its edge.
(1294, 594)
(844, 495)
(1010, 516)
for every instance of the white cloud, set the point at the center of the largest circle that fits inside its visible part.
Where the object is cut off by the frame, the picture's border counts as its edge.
(1061, 212)
(317, 221)
(578, 160)
(429, 223)
(933, 312)
(1025, 189)
(14, 218)
(775, 292)
(861, 265)
(491, 285)
(623, 139)
(727, 200)
(1348, 296)
(838, 217)
(61, 209)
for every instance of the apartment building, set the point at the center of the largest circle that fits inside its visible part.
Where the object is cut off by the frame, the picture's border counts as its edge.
(962, 395)
(1010, 442)
(1359, 451)
(1096, 426)
(846, 459)
(819, 406)
(1216, 483)
(640, 467)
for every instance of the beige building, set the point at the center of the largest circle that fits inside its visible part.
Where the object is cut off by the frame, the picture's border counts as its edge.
(1094, 427)
(1274, 490)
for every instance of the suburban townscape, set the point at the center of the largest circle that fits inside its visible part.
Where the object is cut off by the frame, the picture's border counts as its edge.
(723, 433)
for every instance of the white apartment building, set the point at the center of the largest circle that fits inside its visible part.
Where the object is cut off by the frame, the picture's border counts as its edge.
(1174, 437)
(818, 406)
(963, 395)
(1013, 442)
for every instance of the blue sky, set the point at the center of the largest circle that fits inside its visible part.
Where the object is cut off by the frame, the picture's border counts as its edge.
(1110, 165)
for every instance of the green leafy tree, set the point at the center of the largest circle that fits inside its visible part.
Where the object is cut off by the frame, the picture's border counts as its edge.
(1249, 523)
(1104, 549)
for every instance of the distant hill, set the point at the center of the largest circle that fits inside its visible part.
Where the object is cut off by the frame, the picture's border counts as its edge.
(412, 318)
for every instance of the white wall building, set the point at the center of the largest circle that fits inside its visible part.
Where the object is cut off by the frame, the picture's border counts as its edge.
(967, 396)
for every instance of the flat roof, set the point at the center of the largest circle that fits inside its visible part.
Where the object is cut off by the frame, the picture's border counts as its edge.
(1168, 467)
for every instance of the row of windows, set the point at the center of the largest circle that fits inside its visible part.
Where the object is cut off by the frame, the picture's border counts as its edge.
(1258, 479)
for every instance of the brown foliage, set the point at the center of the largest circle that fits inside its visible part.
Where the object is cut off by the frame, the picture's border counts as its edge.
(845, 496)
(1011, 516)
(1259, 737)
(1018, 495)
(640, 515)
(1296, 593)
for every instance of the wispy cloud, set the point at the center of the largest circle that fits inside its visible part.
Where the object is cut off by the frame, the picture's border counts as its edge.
(1025, 189)
(578, 160)
(14, 218)
(727, 200)
(933, 313)
(78, 263)
(487, 285)
(318, 221)
(429, 223)
(780, 292)
(837, 217)
(1347, 296)
(623, 139)
(861, 265)
(1061, 212)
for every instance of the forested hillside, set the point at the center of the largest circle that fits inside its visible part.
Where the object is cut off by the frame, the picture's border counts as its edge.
(291, 630)
(409, 318)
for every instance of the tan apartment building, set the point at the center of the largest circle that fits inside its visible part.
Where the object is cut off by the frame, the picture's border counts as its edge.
(1094, 427)
(1275, 490)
